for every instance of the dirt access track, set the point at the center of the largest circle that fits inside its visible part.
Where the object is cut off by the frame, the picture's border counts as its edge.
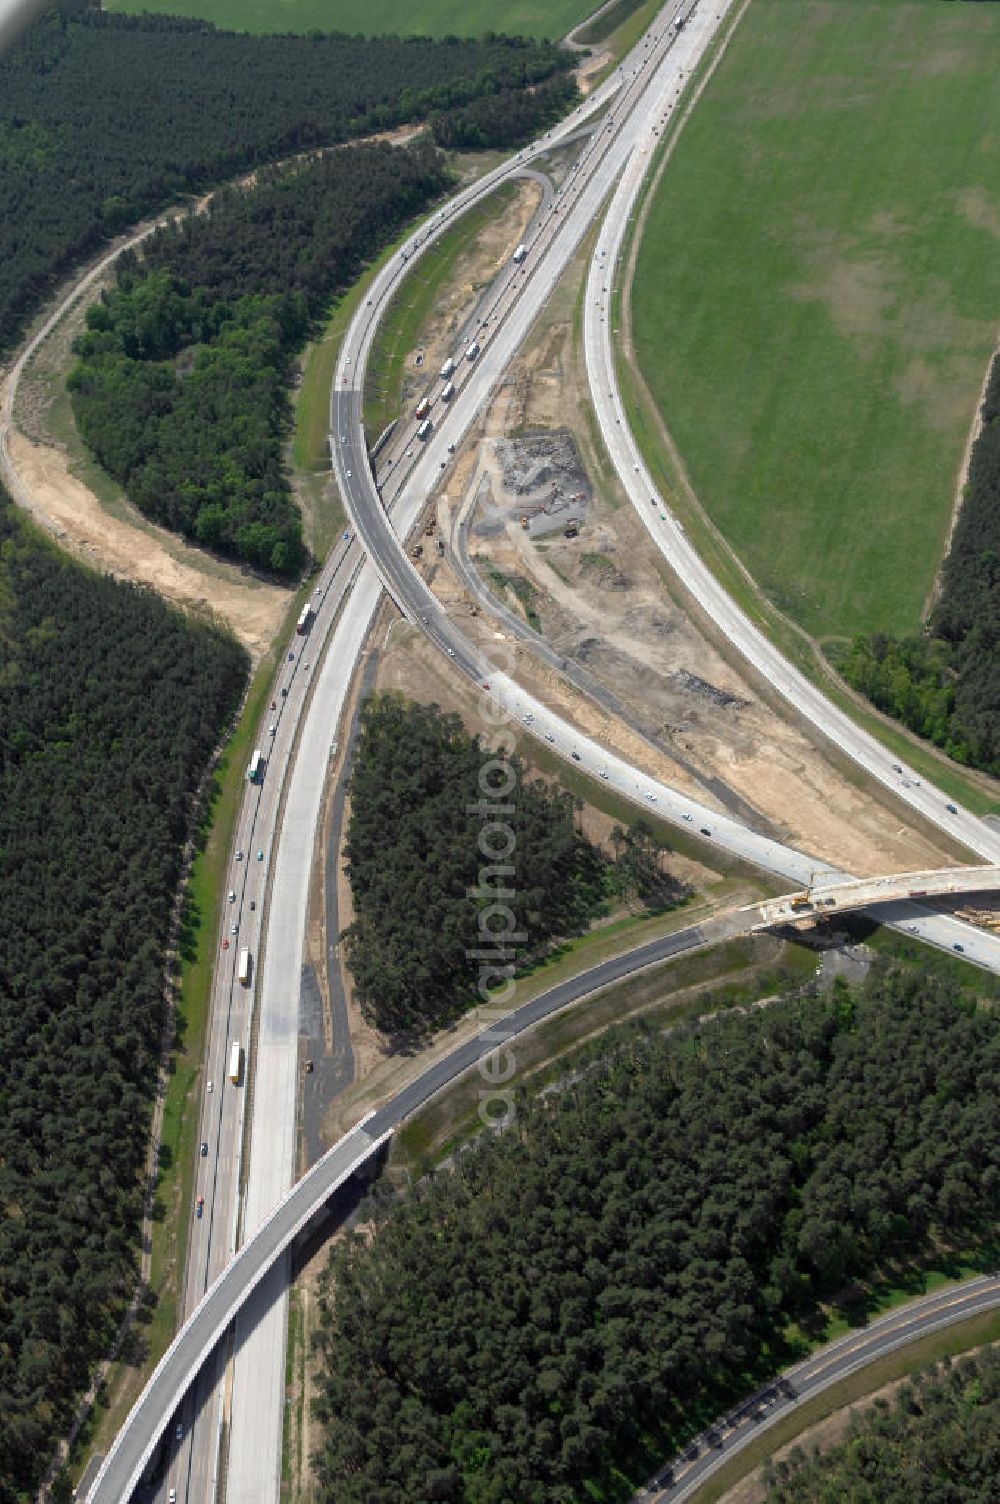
(48, 482)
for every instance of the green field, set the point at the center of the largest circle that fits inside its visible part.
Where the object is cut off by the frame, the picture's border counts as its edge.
(817, 294)
(434, 18)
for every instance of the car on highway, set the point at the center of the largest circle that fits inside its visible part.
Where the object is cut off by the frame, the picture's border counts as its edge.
(952, 809)
(225, 943)
(604, 772)
(576, 756)
(348, 475)
(253, 904)
(204, 1148)
(272, 730)
(234, 928)
(232, 896)
(179, 1431)
(705, 830)
(239, 853)
(686, 817)
(956, 946)
(549, 737)
(291, 658)
(451, 652)
(172, 1496)
(210, 1088)
(199, 1206)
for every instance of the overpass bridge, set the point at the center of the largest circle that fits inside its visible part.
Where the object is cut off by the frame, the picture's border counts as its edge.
(829, 894)
(122, 1470)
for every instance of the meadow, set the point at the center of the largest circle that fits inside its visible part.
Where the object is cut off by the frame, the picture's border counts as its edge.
(817, 294)
(433, 18)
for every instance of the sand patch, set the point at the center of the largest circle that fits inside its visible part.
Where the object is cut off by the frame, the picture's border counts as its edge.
(63, 505)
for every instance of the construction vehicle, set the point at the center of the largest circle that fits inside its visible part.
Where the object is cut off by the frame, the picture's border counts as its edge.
(801, 901)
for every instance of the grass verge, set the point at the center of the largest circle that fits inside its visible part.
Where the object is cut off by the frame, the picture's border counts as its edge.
(178, 1141)
(960, 1338)
(974, 790)
(399, 331)
(680, 989)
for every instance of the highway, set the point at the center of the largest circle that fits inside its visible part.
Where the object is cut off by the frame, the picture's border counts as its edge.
(686, 563)
(684, 1475)
(259, 1362)
(383, 523)
(123, 1467)
(264, 1252)
(261, 827)
(294, 783)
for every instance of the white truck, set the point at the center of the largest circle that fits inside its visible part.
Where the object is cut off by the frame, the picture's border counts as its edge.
(246, 968)
(255, 772)
(521, 252)
(236, 1064)
(447, 368)
(473, 350)
(447, 392)
(424, 430)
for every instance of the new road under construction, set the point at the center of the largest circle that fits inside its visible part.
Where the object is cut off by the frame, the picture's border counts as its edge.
(219, 1390)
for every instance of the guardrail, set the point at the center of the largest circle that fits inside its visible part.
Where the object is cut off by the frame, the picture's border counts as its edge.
(173, 1375)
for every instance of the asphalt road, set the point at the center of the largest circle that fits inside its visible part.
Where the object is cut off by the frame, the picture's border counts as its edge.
(685, 561)
(585, 682)
(617, 153)
(684, 1475)
(258, 1371)
(249, 1272)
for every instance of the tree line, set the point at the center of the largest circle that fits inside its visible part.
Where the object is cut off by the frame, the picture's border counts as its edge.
(945, 684)
(938, 1438)
(420, 876)
(507, 118)
(111, 704)
(182, 381)
(551, 1316)
(104, 117)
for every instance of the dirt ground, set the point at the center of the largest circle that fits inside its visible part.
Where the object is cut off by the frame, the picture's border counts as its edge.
(603, 599)
(472, 272)
(71, 512)
(119, 540)
(122, 541)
